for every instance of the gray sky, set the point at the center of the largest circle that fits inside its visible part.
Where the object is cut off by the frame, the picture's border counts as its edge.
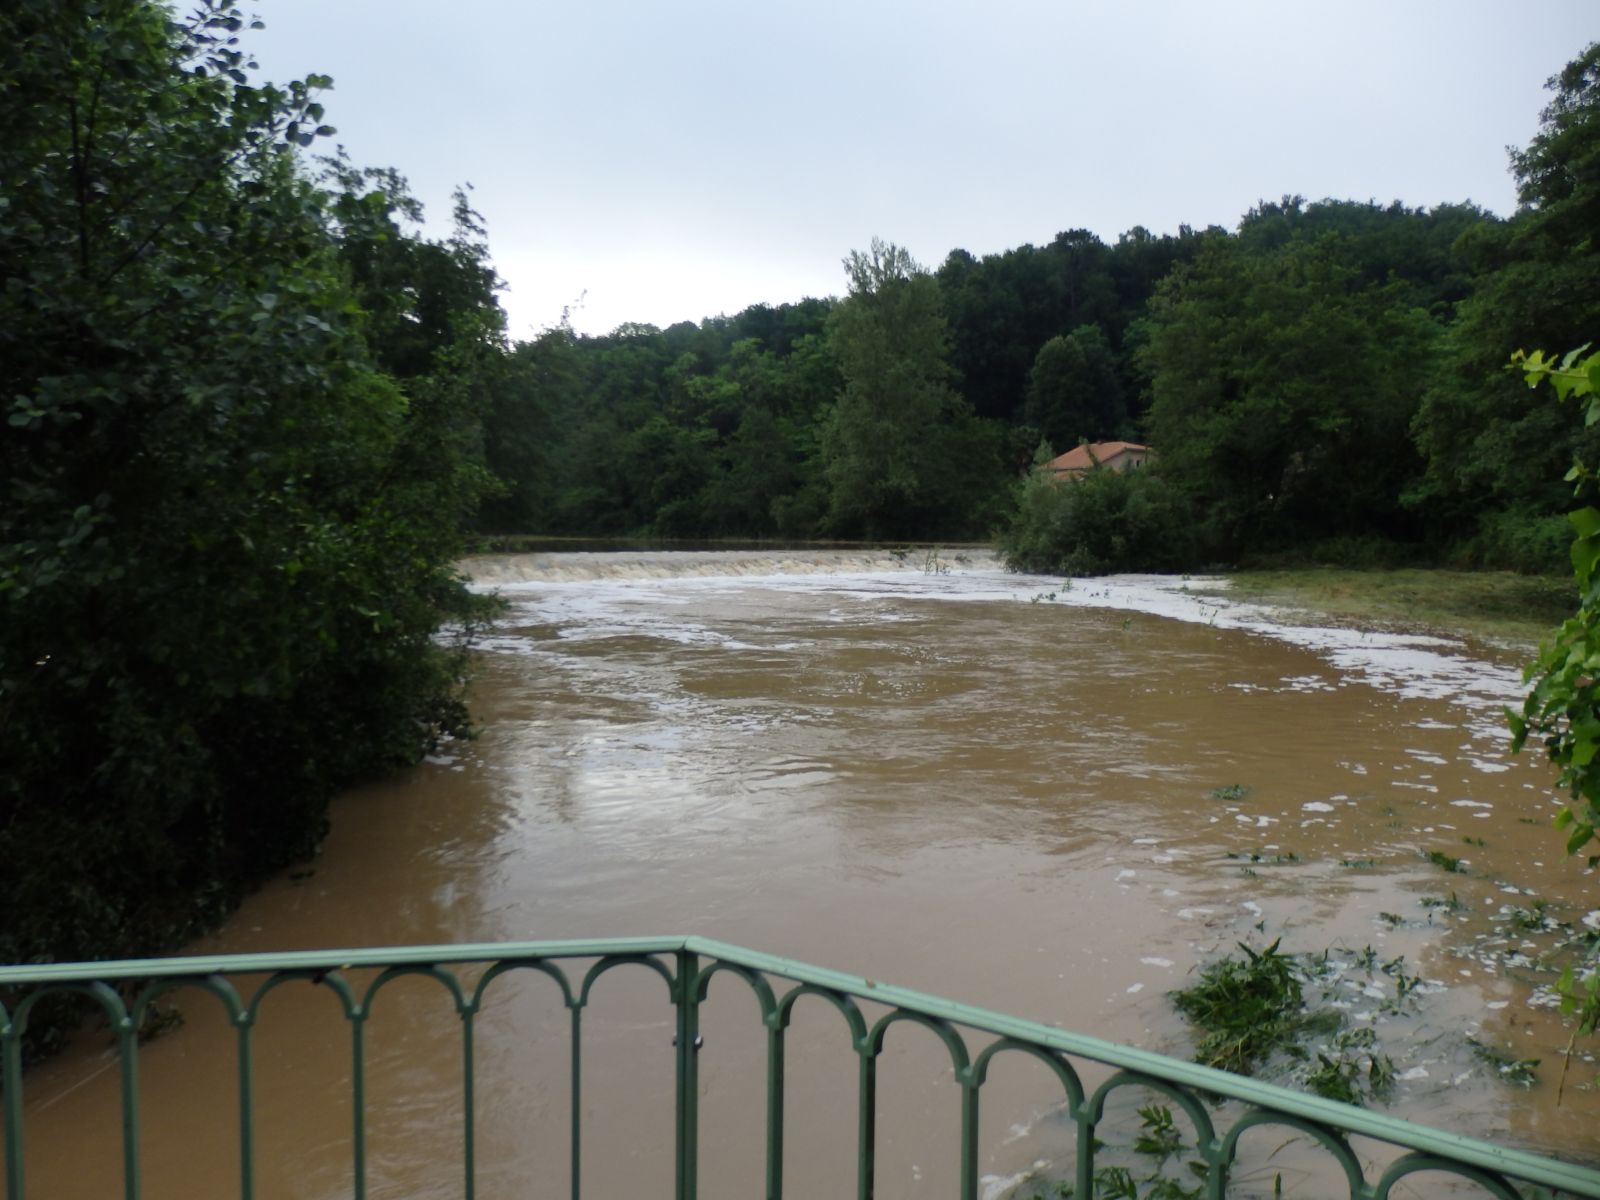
(676, 161)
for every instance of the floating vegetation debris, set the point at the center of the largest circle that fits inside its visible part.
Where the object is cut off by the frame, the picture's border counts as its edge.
(1150, 1175)
(1247, 1008)
(1229, 791)
(1353, 1068)
(1252, 1010)
(1261, 856)
(1358, 864)
(1534, 919)
(1440, 859)
(1521, 1071)
(1451, 903)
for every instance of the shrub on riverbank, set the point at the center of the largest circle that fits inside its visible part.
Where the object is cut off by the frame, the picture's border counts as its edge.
(1107, 521)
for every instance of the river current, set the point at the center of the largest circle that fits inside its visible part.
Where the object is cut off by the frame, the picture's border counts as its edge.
(1058, 800)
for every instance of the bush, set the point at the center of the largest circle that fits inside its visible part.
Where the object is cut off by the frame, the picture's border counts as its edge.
(1102, 522)
(1530, 543)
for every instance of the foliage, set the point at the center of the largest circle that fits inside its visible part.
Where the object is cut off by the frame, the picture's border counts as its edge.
(1523, 1072)
(1248, 1008)
(1563, 706)
(1283, 387)
(1149, 1176)
(1073, 391)
(241, 432)
(1352, 1068)
(899, 446)
(1252, 1010)
(1490, 445)
(1445, 862)
(1107, 520)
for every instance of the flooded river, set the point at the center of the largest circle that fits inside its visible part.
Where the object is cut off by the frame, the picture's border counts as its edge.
(1057, 801)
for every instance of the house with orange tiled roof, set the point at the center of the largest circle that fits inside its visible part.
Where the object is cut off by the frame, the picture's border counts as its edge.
(1112, 456)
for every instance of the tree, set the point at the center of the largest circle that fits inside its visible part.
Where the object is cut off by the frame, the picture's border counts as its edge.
(1558, 175)
(1267, 409)
(897, 445)
(224, 553)
(1492, 449)
(1073, 391)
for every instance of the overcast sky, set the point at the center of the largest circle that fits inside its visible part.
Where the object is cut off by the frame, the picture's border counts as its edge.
(672, 161)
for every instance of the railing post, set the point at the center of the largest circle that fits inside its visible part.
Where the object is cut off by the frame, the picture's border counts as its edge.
(469, 1112)
(128, 1054)
(358, 1101)
(866, 1122)
(1085, 1164)
(576, 1115)
(774, 1108)
(969, 1135)
(11, 1094)
(688, 1044)
(247, 1116)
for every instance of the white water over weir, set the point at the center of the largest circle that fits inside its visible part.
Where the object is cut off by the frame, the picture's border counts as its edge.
(573, 566)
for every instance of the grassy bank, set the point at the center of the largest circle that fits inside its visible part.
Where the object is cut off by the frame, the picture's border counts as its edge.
(1493, 606)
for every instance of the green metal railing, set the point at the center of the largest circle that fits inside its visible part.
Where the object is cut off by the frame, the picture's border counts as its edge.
(127, 990)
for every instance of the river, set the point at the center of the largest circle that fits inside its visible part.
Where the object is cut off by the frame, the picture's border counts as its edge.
(1055, 800)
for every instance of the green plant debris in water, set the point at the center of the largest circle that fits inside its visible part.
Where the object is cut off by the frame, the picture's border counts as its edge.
(1246, 1008)
(1262, 856)
(1352, 1068)
(1440, 859)
(1252, 1014)
(1521, 1071)
(1229, 791)
(1153, 1168)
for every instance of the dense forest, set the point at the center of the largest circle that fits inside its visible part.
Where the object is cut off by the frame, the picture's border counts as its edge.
(253, 416)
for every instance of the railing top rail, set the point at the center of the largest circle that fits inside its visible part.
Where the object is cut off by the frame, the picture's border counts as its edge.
(329, 960)
(1533, 1168)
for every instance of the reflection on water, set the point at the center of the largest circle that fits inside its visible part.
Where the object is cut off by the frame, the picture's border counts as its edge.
(946, 778)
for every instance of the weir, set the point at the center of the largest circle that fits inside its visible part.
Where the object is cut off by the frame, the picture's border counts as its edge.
(1220, 1109)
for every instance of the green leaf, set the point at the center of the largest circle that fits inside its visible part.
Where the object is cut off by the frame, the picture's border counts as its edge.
(1585, 551)
(1586, 521)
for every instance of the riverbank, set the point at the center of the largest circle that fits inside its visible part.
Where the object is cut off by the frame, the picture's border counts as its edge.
(1498, 607)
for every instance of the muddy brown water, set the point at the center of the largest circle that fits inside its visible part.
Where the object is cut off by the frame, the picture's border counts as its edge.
(931, 772)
